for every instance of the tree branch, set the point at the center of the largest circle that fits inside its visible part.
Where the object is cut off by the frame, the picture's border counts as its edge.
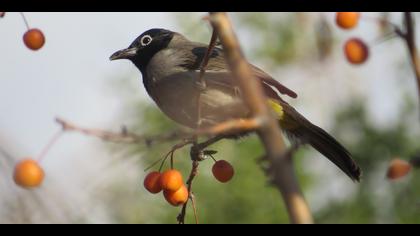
(231, 127)
(409, 37)
(201, 82)
(282, 167)
(193, 173)
(221, 131)
(197, 155)
(124, 136)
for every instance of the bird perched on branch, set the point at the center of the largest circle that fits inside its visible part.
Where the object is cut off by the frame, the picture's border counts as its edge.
(170, 66)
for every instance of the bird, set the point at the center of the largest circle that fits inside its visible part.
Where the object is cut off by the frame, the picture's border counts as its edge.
(170, 66)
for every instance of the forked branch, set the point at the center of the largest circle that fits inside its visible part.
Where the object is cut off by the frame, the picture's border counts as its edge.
(282, 167)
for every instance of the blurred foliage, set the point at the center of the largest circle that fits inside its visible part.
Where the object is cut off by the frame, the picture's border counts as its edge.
(248, 198)
(377, 200)
(296, 37)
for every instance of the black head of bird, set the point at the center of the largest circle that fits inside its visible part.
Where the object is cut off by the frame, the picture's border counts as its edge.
(144, 47)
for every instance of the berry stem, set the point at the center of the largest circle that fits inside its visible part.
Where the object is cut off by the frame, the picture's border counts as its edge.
(172, 160)
(153, 164)
(163, 161)
(171, 152)
(214, 159)
(193, 204)
(49, 145)
(382, 38)
(25, 20)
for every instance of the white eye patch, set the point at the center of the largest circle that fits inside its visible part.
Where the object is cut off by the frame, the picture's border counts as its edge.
(145, 40)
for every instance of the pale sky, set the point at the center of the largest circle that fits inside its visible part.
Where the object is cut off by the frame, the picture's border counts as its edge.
(69, 77)
(66, 77)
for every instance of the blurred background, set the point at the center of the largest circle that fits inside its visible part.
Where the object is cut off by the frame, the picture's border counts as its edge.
(372, 109)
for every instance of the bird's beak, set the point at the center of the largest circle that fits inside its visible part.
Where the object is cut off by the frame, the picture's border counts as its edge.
(124, 54)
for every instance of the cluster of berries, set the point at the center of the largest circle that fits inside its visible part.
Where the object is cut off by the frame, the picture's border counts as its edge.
(171, 182)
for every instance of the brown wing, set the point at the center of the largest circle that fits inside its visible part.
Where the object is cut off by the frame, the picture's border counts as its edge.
(267, 79)
(218, 63)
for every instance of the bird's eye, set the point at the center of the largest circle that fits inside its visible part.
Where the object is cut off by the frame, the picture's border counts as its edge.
(146, 40)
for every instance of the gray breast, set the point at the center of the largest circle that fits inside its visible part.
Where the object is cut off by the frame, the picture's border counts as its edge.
(174, 90)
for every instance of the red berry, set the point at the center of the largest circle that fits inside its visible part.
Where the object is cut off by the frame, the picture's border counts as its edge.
(151, 182)
(34, 39)
(398, 168)
(178, 197)
(171, 180)
(28, 174)
(2, 14)
(356, 51)
(347, 20)
(223, 171)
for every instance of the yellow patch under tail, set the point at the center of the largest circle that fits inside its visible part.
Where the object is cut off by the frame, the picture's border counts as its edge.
(277, 108)
(285, 120)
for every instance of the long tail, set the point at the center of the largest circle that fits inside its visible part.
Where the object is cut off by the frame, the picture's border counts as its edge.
(329, 147)
(298, 127)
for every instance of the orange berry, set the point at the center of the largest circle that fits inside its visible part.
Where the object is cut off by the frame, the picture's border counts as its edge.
(347, 20)
(178, 197)
(223, 171)
(171, 180)
(151, 182)
(398, 168)
(28, 174)
(356, 51)
(34, 39)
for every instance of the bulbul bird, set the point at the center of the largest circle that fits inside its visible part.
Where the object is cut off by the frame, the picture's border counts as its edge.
(170, 66)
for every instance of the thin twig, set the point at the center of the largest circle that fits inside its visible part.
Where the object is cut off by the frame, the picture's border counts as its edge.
(53, 140)
(193, 204)
(196, 154)
(6, 154)
(384, 21)
(209, 142)
(201, 82)
(224, 128)
(203, 66)
(269, 131)
(124, 136)
(193, 173)
(409, 37)
(172, 151)
(25, 20)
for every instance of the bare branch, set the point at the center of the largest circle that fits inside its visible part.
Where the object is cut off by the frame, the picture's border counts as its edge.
(197, 155)
(124, 136)
(231, 127)
(193, 173)
(409, 37)
(221, 130)
(194, 208)
(201, 82)
(53, 140)
(269, 132)
(206, 58)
